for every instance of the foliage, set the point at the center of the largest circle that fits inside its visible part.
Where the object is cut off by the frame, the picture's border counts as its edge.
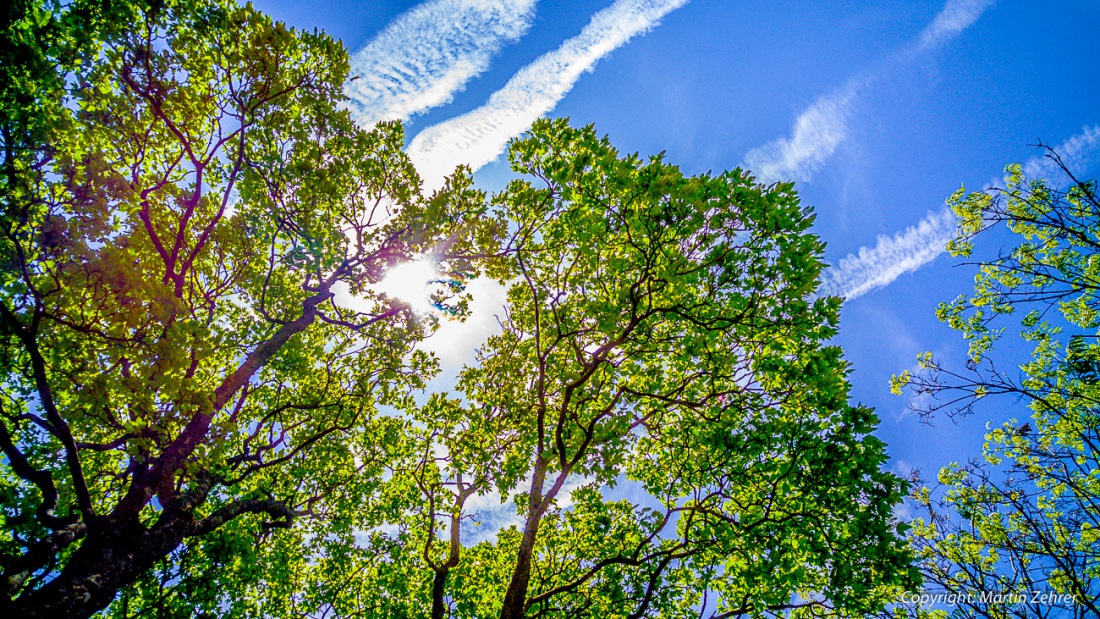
(193, 426)
(182, 200)
(1025, 517)
(658, 343)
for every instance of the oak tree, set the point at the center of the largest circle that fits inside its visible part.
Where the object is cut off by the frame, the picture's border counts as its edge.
(183, 198)
(660, 412)
(192, 425)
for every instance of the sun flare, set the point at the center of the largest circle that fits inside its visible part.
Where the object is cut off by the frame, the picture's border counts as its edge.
(411, 282)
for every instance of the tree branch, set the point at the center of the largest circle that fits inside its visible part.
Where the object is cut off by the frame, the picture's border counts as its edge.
(282, 514)
(45, 395)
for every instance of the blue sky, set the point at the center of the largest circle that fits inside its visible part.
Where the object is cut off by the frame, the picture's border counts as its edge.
(879, 111)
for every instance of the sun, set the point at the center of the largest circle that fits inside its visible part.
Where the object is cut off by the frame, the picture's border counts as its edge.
(411, 282)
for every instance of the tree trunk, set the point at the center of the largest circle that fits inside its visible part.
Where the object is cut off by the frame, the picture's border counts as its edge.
(439, 584)
(112, 556)
(515, 600)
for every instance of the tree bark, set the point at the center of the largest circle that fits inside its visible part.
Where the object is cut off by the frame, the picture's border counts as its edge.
(439, 584)
(110, 557)
(515, 600)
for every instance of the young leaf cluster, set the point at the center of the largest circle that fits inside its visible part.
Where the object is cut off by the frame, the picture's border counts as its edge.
(1022, 518)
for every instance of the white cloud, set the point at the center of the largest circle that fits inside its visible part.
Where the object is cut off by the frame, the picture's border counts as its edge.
(476, 138)
(916, 246)
(429, 53)
(956, 16)
(823, 127)
(1078, 153)
(817, 133)
(491, 514)
(890, 258)
(454, 342)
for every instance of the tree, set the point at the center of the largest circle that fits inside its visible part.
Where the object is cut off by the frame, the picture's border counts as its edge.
(182, 201)
(660, 335)
(1025, 517)
(193, 426)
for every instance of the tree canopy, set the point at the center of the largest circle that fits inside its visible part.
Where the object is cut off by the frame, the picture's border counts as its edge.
(659, 335)
(1024, 518)
(192, 425)
(172, 238)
